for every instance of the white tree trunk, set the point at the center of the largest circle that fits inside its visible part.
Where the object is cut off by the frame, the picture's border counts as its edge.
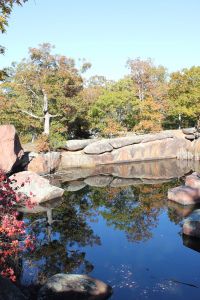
(47, 116)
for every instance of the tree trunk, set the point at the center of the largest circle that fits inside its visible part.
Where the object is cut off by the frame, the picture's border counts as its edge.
(47, 116)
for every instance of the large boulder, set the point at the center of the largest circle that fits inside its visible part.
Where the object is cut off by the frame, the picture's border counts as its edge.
(74, 145)
(191, 225)
(98, 147)
(44, 163)
(74, 287)
(35, 187)
(184, 195)
(11, 150)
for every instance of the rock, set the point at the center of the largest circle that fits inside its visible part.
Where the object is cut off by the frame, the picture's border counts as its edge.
(191, 130)
(11, 150)
(75, 186)
(125, 141)
(44, 163)
(154, 150)
(8, 291)
(37, 188)
(190, 137)
(119, 182)
(148, 151)
(98, 181)
(191, 225)
(191, 242)
(74, 145)
(74, 287)
(195, 149)
(184, 195)
(98, 147)
(156, 137)
(193, 181)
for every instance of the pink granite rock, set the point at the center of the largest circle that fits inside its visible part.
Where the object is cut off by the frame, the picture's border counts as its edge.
(37, 188)
(184, 195)
(10, 148)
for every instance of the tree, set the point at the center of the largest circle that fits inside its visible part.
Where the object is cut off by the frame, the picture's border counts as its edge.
(115, 109)
(184, 96)
(44, 87)
(150, 80)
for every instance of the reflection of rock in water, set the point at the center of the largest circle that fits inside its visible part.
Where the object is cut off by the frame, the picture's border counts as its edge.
(149, 172)
(178, 212)
(191, 242)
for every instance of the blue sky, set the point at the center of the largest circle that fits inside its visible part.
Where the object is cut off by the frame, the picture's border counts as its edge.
(108, 32)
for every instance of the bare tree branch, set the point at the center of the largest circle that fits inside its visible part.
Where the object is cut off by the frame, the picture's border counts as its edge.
(30, 114)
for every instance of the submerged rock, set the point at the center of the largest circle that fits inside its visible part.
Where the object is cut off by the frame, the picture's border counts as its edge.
(11, 150)
(74, 287)
(191, 225)
(184, 195)
(37, 188)
(99, 181)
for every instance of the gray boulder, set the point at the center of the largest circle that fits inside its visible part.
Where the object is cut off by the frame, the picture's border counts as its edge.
(74, 287)
(98, 147)
(74, 145)
(191, 130)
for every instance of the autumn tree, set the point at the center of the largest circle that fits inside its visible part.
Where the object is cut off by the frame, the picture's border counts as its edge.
(44, 87)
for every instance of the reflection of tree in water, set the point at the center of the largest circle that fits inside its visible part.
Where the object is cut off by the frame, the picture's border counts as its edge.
(134, 210)
(57, 245)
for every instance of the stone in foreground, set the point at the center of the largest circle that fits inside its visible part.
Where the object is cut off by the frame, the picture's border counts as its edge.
(193, 181)
(37, 188)
(184, 195)
(74, 287)
(191, 226)
(11, 150)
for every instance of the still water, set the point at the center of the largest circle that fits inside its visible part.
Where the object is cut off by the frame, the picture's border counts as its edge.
(117, 225)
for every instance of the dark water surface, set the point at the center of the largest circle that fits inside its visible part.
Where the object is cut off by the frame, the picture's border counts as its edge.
(126, 234)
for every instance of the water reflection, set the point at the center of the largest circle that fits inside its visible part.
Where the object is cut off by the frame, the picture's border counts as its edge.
(120, 229)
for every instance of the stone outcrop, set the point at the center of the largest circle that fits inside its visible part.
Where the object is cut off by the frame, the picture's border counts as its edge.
(43, 163)
(128, 149)
(11, 150)
(74, 287)
(35, 187)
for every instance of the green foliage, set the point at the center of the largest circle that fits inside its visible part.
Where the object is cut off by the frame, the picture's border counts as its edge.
(184, 95)
(115, 109)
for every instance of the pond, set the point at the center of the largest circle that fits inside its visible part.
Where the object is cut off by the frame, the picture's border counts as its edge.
(126, 234)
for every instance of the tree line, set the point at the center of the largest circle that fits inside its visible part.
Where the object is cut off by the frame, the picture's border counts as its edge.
(48, 93)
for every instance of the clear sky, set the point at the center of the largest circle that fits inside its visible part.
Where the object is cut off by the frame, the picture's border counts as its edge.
(108, 32)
